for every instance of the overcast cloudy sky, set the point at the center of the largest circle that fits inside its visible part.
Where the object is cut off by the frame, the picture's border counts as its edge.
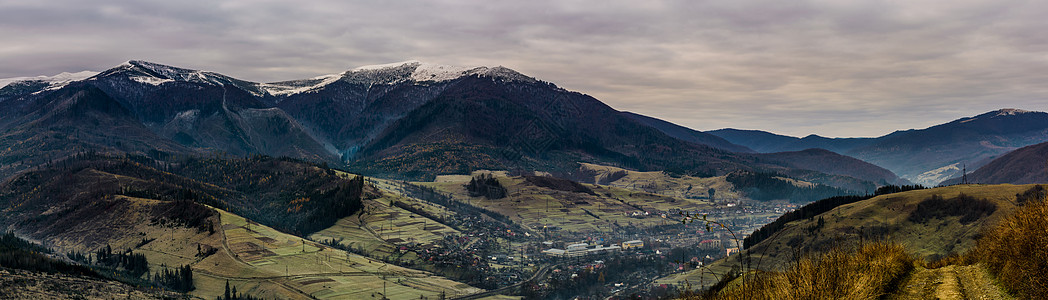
(834, 68)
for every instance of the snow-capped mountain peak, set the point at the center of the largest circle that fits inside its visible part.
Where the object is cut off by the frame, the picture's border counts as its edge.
(405, 71)
(1011, 112)
(176, 73)
(1004, 112)
(55, 81)
(434, 72)
(422, 72)
(157, 74)
(411, 63)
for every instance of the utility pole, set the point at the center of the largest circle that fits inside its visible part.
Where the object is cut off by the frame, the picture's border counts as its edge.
(964, 174)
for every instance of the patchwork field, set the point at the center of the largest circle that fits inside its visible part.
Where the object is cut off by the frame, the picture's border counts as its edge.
(660, 183)
(264, 262)
(380, 226)
(605, 210)
(263, 256)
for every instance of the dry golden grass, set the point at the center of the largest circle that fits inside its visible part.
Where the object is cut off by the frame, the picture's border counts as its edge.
(1011, 244)
(882, 217)
(1016, 251)
(870, 271)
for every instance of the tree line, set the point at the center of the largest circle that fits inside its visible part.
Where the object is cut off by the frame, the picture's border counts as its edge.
(771, 186)
(124, 266)
(486, 185)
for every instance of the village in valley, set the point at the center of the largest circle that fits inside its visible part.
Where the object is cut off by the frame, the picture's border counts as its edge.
(540, 235)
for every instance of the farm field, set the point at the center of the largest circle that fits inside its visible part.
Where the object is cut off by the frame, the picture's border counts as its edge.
(605, 210)
(685, 187)
(264, 262)
(380, 227)
(265, 256)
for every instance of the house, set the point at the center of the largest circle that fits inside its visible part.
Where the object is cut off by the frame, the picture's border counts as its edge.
(632, 244)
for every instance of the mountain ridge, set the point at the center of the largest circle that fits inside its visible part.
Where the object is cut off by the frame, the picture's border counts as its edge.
(1021, 166)
(925, 156)
(363, 117)
(688, 134)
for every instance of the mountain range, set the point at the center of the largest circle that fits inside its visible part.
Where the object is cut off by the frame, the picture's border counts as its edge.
(409, 120)
(415, 120)
(926, 156)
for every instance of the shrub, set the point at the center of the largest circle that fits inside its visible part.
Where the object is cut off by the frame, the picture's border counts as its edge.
(1035, 193)
(867, 272)
(967, 207)
(1016, 251)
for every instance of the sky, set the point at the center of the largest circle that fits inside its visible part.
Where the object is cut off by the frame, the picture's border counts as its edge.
(833, 68)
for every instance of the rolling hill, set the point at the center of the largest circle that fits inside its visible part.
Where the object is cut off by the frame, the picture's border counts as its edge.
(828, 162)
(92, 206)
(929, 223)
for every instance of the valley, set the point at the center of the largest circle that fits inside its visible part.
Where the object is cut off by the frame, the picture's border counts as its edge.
(420, 181)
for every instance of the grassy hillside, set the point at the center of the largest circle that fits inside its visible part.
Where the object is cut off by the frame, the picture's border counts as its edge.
(732, 186)
(879, 270)
(26, 285)
(656, 182)
(1007, 261)
(869, 271)
(1016, 249)
(929, 224)
(134, 206)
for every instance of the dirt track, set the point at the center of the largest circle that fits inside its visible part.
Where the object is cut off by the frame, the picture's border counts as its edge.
(950, 282)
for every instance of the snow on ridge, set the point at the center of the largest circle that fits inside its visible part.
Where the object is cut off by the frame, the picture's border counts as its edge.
(435, 72)
(506, 73)
(1011, 112)
(179, 74)
(150, 80)
(57, 80)
(277, 89)
(386, 66)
